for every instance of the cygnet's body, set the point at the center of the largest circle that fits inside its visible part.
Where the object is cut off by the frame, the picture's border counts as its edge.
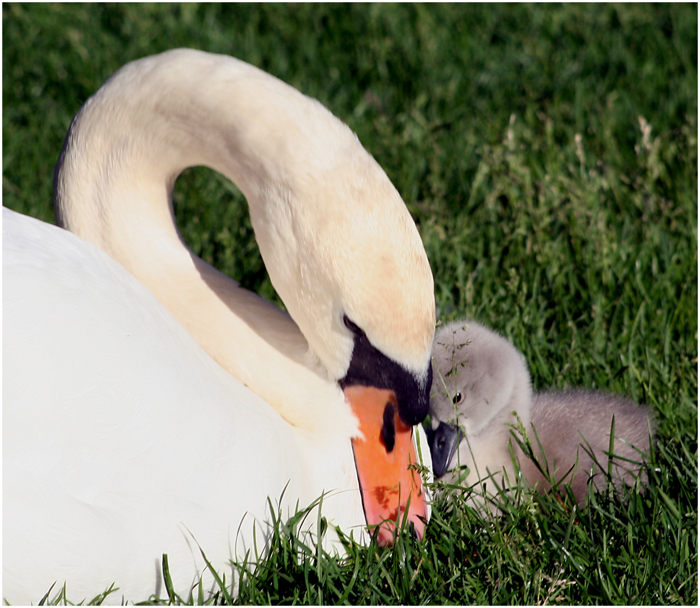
(481, 386)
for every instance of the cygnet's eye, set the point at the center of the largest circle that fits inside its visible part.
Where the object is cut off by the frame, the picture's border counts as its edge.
(457, 398)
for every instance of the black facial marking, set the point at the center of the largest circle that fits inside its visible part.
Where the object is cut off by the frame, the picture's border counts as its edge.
(370, 367)
(388, 429)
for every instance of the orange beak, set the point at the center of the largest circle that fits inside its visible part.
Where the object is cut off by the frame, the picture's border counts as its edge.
(390, 490)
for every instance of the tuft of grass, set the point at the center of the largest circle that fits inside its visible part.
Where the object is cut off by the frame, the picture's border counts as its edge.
(538, 549)
(548, 154)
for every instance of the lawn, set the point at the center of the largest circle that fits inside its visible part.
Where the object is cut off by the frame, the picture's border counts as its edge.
(548, 155)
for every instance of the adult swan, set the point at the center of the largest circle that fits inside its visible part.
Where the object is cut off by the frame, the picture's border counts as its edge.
(151, 405)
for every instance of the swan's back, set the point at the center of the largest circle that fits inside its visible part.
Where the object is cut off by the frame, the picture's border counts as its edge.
(154, 399)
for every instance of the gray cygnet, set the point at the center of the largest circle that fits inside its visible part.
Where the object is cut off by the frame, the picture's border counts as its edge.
(481, 385)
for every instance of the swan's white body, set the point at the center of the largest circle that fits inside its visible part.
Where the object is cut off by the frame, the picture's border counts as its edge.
(150, 416)
(482, 386)
(143, 444)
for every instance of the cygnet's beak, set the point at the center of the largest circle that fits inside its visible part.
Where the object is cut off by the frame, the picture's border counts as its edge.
(391, 491)
(444, 441)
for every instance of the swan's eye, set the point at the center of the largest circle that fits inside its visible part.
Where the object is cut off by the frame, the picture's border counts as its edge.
(352, 327)
(457, 398)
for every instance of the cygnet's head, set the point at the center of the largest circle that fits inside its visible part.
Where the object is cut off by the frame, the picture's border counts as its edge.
(479, 380)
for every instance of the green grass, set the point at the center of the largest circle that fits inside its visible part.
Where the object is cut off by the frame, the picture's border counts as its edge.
(549, 157)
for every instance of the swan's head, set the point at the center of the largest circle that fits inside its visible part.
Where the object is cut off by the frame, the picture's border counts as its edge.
(479, 379)
(377, 343)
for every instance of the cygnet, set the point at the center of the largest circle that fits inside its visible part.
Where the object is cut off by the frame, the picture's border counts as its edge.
(481, 386)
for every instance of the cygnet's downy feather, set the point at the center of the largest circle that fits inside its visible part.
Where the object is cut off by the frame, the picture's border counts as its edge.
(481, 387)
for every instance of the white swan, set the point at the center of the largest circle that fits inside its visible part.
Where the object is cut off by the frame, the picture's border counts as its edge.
(123, 437)
(481, 383)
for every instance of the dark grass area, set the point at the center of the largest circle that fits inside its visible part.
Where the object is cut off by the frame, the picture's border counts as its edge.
(548, 154)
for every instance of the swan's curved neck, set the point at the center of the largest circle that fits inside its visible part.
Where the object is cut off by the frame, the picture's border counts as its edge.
(316, 201)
